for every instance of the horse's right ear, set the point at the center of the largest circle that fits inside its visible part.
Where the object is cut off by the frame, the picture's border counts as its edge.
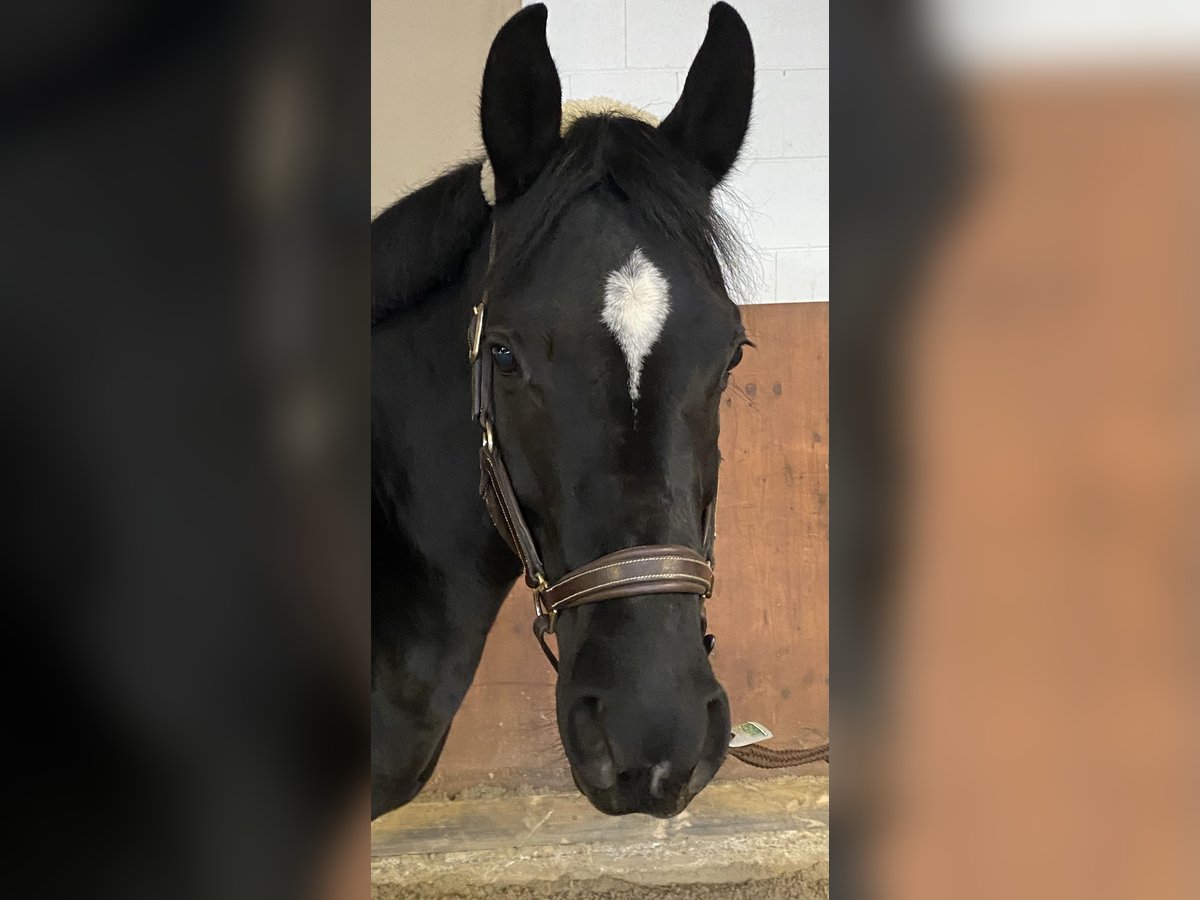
(520, 107)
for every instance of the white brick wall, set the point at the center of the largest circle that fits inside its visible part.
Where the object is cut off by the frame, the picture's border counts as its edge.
(639, 50)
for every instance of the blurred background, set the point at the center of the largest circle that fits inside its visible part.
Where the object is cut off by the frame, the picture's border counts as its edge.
(184, 199)
(1015, 212)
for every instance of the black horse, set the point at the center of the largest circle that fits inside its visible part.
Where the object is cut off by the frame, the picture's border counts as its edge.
(609, 336)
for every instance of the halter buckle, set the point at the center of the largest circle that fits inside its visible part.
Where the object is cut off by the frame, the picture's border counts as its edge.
(539, 603)
(489, 443)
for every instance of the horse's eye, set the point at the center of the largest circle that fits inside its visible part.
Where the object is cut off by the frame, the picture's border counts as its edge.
(505, 359)
(736, 358)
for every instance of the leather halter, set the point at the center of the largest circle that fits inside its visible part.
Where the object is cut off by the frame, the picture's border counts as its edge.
(634, 571)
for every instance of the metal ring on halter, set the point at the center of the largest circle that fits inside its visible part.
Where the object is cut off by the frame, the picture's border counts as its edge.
(539, 604)
(488, 442)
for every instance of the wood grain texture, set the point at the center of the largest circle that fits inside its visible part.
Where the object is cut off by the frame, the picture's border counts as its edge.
(770, 610)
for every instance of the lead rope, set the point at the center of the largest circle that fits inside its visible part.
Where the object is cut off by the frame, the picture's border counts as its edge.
(765, 758)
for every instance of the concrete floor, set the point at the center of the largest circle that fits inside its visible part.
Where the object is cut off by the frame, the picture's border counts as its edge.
(742, 839)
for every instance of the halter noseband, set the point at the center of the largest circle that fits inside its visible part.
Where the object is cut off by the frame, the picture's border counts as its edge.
(634, 571)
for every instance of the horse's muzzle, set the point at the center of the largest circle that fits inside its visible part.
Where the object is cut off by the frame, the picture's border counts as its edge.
(649, 751)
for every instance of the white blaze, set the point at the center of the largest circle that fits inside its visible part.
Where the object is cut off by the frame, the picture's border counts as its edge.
(637, 300)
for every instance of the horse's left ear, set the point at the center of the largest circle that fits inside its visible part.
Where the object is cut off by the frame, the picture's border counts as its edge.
(710, 120)
(520, 107)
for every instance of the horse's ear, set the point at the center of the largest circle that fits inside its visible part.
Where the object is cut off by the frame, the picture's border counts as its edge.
(710, 120)
(520, 107)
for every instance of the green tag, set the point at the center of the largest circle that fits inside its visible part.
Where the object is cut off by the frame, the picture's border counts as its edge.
(749, 733)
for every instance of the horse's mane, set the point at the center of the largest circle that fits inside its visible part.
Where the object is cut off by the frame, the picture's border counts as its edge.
(632, 161)
(423, 240)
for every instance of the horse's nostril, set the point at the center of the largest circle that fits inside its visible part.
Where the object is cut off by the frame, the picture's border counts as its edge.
(586, 737)
(716, 742)
(658, 778)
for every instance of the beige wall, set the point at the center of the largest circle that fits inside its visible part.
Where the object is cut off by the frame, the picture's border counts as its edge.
(426, 67)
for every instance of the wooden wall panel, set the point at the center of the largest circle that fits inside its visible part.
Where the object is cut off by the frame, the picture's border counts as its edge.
(770, 610)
